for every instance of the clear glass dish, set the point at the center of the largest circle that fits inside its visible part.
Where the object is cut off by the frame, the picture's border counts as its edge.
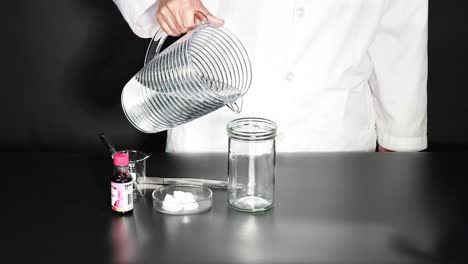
(202, 199)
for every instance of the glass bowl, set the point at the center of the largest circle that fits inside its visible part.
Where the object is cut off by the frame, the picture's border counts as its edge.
(201, 201)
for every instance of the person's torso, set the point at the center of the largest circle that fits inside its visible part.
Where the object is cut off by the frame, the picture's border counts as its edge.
(310, 75)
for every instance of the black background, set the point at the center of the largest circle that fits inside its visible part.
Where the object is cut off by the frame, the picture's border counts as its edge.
(64, 63)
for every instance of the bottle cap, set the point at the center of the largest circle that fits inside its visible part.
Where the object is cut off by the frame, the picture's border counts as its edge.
(121, 159)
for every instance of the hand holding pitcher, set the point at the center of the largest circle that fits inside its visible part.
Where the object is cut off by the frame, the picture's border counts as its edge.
(177, 17)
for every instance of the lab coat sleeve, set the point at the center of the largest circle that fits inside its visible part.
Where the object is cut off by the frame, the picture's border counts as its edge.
(140, 16)
(399, 80)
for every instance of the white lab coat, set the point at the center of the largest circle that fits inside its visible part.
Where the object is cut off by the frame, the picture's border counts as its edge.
(335, 75)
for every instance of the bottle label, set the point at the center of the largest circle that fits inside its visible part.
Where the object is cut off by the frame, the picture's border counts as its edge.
(122, 196)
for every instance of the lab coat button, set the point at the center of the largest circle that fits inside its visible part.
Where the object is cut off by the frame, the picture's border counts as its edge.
(289, 76)
(300, 12)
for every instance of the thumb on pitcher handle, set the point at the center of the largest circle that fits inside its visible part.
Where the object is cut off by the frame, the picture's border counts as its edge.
(160, 37)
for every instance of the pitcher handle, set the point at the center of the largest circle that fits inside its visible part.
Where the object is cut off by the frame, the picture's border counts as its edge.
(160, 37)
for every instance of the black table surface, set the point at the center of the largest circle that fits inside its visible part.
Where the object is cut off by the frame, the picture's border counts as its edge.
(330, 208)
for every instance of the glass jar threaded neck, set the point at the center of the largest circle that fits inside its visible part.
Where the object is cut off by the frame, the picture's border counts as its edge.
(251, 129)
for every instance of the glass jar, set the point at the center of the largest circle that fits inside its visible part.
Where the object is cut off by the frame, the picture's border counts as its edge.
(251, 165)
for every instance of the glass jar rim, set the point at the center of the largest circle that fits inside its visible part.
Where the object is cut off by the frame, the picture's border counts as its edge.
(252, 129)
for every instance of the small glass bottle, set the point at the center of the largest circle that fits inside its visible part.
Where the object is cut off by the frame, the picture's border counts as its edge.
(121, 185)
(251, 166)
